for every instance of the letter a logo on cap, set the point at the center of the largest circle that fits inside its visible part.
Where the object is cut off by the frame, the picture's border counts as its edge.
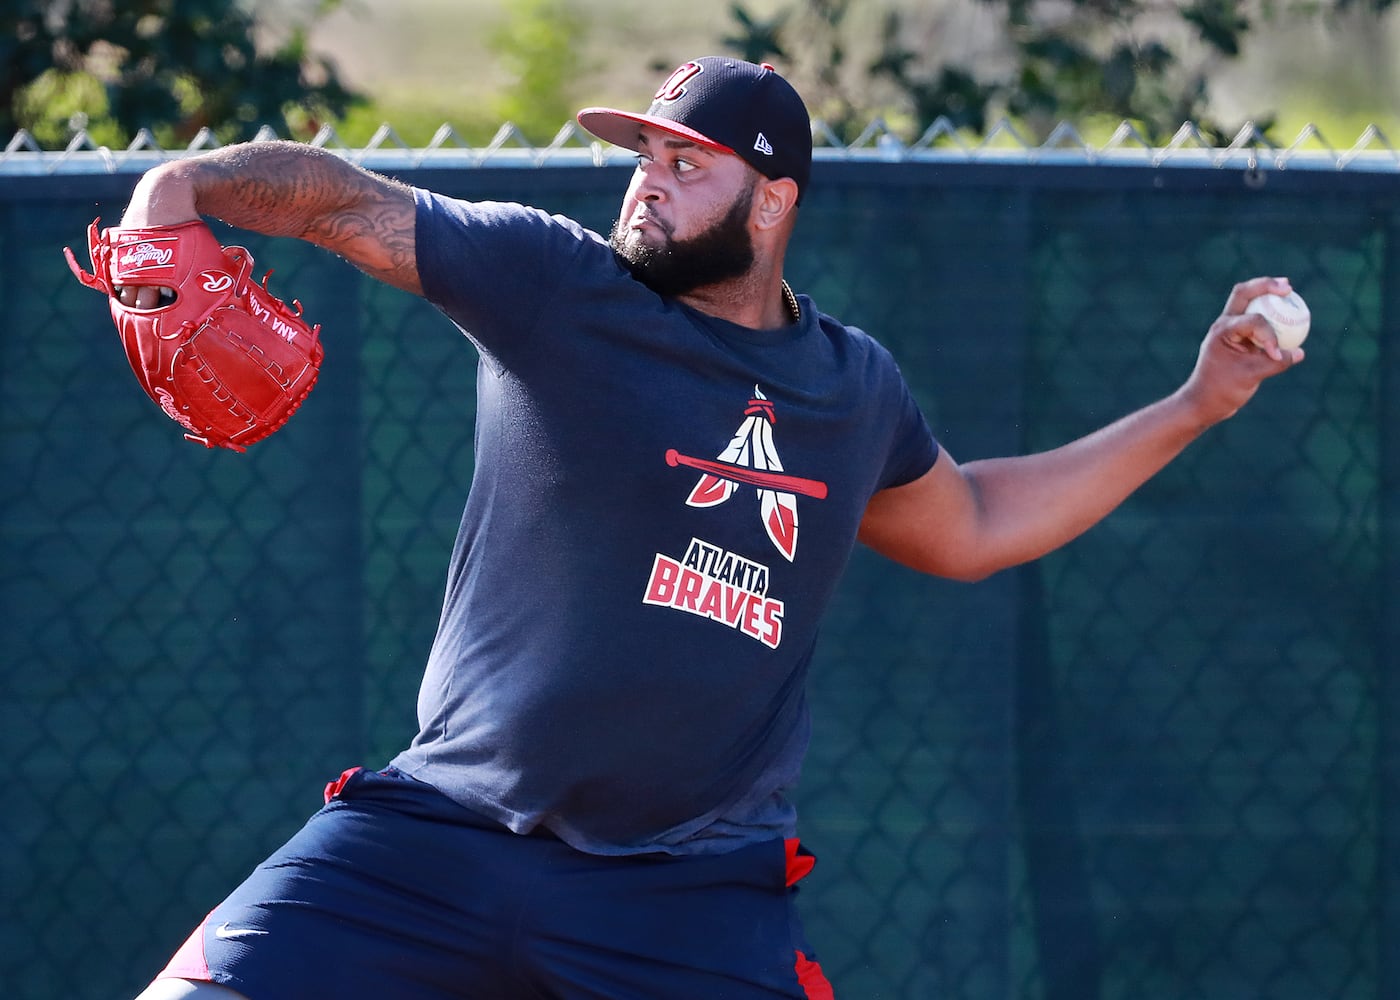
(674, 87)
(763, 145)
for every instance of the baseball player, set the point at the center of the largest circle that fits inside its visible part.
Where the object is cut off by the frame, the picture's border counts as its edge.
(683, 452)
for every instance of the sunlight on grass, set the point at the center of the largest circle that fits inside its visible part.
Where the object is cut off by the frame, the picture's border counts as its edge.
(425, 63)
(415, 114)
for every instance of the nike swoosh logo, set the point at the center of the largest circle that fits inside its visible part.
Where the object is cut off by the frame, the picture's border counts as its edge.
(224, 932)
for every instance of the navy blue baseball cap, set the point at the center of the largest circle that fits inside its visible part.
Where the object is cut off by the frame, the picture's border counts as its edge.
(725, 104)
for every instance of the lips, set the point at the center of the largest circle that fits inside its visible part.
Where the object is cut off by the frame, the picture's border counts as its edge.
(643, 219)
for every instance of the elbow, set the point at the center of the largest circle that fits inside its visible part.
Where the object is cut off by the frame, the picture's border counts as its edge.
(963, 563)
(970, 574)
(967, 569)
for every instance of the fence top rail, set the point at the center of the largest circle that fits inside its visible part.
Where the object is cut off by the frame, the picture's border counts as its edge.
(942, 142)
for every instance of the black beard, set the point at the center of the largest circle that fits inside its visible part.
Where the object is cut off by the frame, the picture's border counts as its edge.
(722, 251)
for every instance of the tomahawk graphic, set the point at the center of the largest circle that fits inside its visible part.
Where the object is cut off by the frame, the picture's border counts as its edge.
(752, 459)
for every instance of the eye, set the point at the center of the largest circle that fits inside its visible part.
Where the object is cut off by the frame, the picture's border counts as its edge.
(684, 166)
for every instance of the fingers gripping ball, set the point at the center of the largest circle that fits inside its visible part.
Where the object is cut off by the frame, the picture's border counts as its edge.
(1287, 314)
(223, 357)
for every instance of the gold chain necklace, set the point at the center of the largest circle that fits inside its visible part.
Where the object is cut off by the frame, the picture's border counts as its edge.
(790, 300)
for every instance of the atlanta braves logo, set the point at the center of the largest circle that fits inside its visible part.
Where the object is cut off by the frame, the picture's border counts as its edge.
(752, 459)
(674, 87)
(710, 582)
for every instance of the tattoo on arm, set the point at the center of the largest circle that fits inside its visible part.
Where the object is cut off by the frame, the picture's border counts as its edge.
(289, 189)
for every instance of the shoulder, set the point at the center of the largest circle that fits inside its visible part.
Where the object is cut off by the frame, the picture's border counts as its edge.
(439, 212)
(498, 242)
(853, 343)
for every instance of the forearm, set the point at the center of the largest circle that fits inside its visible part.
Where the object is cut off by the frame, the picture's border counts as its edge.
(968, 521)
(1032, 504)
(277, 188)
(289, 189)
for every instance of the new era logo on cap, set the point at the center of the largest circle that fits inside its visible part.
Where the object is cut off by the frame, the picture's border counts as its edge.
(727, 104)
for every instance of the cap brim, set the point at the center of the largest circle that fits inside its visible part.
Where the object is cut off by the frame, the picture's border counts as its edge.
(623, 128)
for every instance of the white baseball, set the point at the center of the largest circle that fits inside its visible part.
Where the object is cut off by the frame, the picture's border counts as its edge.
(1287, 314)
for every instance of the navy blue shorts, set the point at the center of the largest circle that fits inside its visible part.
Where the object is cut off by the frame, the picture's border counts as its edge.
(393, 890)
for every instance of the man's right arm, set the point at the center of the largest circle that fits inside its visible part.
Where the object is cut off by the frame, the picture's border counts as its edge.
(289, 189)
(968, 521)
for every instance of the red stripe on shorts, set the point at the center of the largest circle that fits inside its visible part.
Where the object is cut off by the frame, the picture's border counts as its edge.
(189, 962)
(812, 980)
(334, 788)
(800, 861)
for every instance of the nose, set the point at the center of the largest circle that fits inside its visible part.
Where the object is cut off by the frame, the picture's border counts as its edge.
(645, 185)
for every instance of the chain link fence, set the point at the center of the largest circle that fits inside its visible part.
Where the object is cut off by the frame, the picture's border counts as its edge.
(1159, 763)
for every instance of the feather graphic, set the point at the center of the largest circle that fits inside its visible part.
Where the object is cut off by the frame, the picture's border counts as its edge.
(752, 447)
(712, 490)
(779, 509)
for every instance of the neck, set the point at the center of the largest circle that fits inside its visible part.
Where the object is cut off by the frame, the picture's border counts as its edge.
(759, 304)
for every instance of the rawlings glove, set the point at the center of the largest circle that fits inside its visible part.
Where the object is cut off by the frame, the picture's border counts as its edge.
(223, 357)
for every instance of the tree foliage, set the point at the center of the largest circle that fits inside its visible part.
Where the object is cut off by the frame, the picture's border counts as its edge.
(538, 42)
(1068, 60)
(173, 66)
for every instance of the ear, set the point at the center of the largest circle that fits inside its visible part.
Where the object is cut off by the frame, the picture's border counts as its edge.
(776, 202)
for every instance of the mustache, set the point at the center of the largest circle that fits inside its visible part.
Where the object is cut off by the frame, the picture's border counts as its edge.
(650, 218)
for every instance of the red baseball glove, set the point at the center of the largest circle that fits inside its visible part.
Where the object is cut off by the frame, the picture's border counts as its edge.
(223, 357)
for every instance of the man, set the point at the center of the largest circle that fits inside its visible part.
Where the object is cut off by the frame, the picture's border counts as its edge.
(595, 804)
